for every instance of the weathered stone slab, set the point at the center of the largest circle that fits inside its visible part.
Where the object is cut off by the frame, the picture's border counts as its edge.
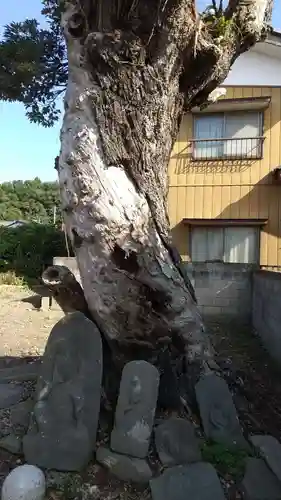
(11, 443)
(135, 409)
(176, 442)
(259, 482)
(218, 413)
(125, 468)
(62, 433)
(188, 482)
(20, 373)
(20, 414)
(270, 450)
(10, 394)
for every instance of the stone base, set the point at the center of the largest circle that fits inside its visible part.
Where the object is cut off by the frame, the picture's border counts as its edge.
(188, 482)
(124, 467)
(69, 452)
(259, 482)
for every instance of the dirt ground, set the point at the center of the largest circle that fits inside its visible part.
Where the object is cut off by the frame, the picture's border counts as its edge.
(24, 329)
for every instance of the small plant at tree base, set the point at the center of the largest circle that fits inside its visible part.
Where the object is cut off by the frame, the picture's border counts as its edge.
(227, 460)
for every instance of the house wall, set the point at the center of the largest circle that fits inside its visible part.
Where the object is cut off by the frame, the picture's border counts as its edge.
(265, 71)
(266, 310)
(240, 189)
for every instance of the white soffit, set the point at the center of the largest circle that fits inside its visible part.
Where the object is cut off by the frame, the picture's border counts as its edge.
(259, 67)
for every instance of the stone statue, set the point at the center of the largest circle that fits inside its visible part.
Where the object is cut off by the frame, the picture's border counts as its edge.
(64, 421)
(218, 413)
(135, 409)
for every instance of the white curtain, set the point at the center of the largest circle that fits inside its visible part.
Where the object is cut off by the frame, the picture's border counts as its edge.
(199, 245)
(228, 244)
(208, 127)
(215, 243)
(207, 244)
(241, 245)
(243, 127)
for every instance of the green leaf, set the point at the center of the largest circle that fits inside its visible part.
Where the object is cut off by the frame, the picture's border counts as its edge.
(33, 65)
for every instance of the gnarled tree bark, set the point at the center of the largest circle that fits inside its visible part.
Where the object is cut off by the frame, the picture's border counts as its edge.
(135, 66)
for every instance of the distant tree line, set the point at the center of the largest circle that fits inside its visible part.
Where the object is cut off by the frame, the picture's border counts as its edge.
(33, 200)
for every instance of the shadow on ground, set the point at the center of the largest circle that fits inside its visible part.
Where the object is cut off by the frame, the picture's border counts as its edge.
(35, 299)
(13, 361)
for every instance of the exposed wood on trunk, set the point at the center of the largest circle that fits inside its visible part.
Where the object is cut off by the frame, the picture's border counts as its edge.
(134, 68)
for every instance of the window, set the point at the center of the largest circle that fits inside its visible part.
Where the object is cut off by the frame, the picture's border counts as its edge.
(225, 244)
(227, 135)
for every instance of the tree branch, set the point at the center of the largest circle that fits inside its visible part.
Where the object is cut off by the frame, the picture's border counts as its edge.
(220, 39)
(260, 10)
(65, 289)
(251, 18)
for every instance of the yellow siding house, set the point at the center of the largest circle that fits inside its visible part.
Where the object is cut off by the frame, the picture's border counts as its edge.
(225, 169)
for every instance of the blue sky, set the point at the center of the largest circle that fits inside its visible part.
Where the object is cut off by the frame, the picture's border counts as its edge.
(28, 150)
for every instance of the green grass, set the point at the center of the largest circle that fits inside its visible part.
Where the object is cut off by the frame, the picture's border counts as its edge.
(225, 459)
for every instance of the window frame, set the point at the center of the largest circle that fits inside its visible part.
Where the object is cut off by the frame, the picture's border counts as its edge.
(230, 158)
(223, 227)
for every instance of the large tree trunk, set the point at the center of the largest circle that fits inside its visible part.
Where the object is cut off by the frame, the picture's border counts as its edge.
(134, 67)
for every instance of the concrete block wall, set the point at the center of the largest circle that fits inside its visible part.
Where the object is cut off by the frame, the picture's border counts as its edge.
(266, 310)
(223, 291)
